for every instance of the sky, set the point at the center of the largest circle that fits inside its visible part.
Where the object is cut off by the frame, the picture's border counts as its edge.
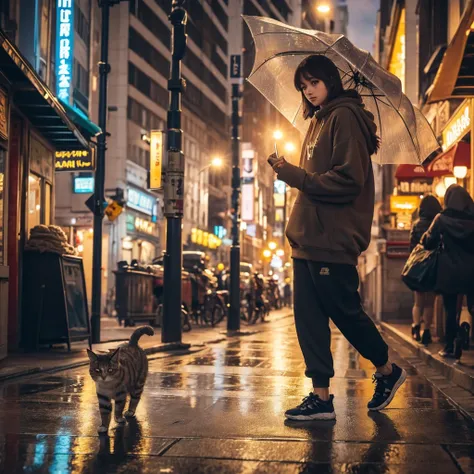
(362, 18)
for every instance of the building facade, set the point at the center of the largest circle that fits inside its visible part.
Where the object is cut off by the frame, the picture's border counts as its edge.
(427, 45)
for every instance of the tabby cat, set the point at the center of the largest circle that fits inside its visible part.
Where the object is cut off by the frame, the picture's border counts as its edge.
(120, 372)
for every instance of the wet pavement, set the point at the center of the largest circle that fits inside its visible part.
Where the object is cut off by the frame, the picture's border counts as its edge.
(220, 410)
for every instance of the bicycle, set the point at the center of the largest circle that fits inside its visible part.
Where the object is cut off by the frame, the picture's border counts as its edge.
(185, 319)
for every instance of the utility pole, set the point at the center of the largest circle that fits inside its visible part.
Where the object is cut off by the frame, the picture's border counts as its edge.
(173, 182)
(104, 70)
(235, 73)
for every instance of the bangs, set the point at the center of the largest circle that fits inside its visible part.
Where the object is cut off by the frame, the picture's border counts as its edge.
(303, 72)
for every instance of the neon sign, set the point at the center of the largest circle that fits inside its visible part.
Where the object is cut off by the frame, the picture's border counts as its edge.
(64, 48)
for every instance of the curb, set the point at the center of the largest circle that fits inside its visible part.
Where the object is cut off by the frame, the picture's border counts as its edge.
(461, 396)
(447, 368)
(166, 347)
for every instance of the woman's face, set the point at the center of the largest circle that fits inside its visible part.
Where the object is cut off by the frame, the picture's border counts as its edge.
(314, 90)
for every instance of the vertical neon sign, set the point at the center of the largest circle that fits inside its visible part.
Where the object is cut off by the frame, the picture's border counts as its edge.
(64, 48)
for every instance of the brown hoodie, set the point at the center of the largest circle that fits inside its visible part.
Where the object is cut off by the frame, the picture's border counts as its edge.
(332, 215)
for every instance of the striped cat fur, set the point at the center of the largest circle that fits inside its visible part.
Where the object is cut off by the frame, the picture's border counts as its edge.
(120, 372)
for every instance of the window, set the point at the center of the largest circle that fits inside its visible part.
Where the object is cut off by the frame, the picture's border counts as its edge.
(147, 86)
(81, 25)
(34, 202)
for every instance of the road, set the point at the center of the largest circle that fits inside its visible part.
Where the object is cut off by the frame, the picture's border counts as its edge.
(219, 409)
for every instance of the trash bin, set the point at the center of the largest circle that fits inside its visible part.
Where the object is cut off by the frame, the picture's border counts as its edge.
(134, 298)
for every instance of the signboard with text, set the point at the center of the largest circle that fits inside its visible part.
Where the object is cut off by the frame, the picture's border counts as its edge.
(74, 160)
(458, 125)
(156, 159)
(64, 48)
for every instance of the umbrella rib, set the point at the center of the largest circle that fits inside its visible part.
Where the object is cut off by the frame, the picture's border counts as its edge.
(276, 55)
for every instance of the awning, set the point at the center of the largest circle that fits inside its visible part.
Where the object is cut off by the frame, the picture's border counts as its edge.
(455, 77)
(37, 102)
(87, 127)
(458, 155)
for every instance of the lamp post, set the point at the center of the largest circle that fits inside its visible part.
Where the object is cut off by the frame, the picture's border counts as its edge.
(99, 181)
(173, 183)
(323, 10)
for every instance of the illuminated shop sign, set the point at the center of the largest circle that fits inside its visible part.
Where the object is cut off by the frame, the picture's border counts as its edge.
(140, 201)
(138, 224)
(206, 239)
(458, 126)
(64, 48)
(83, 184)
(74, 160)
(248, 202)
(404, 204)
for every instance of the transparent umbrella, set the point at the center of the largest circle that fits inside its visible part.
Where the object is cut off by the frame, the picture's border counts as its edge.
(406, 136)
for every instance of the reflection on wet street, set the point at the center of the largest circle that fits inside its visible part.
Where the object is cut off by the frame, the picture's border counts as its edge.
(220, 410)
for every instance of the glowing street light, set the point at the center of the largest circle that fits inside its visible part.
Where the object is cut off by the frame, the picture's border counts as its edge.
(267, 253)
(277, 135)
(272, 245)
(289, 147)
(217, 162)
(280, 253)
(323, 8)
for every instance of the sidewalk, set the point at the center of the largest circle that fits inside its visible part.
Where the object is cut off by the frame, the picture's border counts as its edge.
(58, 358)
(455, 380)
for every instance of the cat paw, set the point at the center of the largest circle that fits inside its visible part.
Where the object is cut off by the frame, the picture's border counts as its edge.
(120, 420)
(102, 429)
(129, 414)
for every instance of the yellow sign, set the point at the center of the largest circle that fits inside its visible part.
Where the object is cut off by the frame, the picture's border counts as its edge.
(144, 225)
(113, 210)
(74, 160)
(404, 204)
(206, 239)
(3, 115)
(156, 158)
(397, 59)
(458, 125)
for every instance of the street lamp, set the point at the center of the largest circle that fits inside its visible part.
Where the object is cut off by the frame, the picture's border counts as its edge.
(216, 162)
(289, 147)
(323, 8)
(277, 135)
(272, 245)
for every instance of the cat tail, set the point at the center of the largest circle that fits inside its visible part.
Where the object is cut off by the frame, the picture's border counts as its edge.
(138, 333)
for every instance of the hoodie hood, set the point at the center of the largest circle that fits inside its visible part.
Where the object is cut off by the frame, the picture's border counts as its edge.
(352, 100)
(458, 215)
(458, 199)
(429, 207)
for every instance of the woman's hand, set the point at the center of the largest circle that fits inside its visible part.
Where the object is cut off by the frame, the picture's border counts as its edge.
(276, 162)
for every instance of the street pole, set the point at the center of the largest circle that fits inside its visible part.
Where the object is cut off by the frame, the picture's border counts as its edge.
(233, 321)
(174, 183)
(104, 69)
(235, 76)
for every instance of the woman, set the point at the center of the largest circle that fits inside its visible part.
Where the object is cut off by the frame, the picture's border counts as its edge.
(328, 229)
(453, 229)
(424, 302)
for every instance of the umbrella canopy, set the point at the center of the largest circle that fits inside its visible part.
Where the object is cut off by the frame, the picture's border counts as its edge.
(406, 136)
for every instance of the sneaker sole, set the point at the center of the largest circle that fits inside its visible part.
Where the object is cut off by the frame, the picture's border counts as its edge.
(400, 382)
(317, 416)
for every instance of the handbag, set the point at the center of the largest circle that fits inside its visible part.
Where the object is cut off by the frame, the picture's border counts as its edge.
(421, 269)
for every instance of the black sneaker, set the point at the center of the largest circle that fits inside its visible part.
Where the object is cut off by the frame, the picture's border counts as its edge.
(312, 408)
(386, 387)
(426, 337)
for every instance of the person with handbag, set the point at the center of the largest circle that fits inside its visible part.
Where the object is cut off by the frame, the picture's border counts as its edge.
(423, 307)
(329, 227)
(453, 230)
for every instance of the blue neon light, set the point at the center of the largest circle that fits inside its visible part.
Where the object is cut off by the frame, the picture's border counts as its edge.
(83, 184)
(64, 48)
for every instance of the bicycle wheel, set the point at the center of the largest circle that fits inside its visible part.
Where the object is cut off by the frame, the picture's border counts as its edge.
(185, 321)
(218, 314)
(206, 311)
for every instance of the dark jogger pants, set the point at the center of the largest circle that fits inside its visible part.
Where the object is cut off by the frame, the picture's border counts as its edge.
(329, 290)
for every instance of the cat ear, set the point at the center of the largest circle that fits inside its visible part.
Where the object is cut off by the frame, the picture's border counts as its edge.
(92, 356)
(115, 354)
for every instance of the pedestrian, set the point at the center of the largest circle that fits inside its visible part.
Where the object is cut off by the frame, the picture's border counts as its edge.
(329, 227)
(423, 307)
(453, 230)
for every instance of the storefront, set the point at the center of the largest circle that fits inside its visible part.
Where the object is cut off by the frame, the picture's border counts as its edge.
(33, 126)
(142, 239)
